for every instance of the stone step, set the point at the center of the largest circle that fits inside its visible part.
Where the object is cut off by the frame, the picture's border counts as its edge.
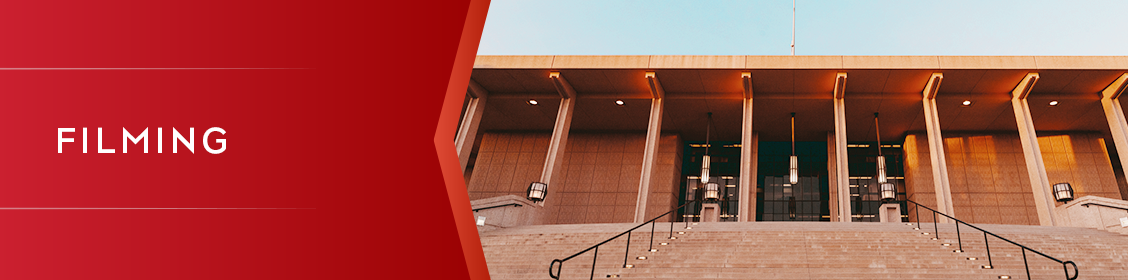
(801, 250)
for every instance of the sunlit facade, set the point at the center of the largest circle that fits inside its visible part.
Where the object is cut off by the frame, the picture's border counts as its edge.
(622, 138)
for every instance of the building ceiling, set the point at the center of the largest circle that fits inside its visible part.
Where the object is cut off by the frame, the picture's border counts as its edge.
(692, 93)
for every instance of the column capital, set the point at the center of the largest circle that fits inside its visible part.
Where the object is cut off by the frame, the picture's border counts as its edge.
(933, 86)
(1022, 90)
(656, 90)
(1114, 90)
(840, 85)
(746, 81)
(562, 86)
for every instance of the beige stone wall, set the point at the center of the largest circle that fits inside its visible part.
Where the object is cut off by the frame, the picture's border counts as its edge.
(918, 174)
(507, 163)
(987, 173)
(1083, 161)
(989, 181)
(598, 182)
(600, 179)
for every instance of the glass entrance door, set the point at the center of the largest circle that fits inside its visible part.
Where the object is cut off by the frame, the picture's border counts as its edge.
(724, 170)
(779, 200)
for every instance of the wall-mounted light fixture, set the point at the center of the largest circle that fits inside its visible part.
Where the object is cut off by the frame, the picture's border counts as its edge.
(537, 191)
(1063, 192)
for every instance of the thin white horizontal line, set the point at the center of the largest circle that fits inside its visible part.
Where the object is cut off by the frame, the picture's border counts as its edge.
(9, 69)
(120, 208)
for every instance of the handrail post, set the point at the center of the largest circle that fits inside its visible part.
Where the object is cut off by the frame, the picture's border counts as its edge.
(593, 258)
(935, 228)
(917, 214)
(652, 236)
(627, 254)
(987, 244)
(685, 213)
(958, 237)
(1025, 263)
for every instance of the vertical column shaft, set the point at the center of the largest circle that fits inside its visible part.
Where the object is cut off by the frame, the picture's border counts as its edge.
(832, 170)
(937, 157)
(653, 131)
(842, 163)
(748, 158)
(554, 161)
(1110, 101)
(468, 129)
(1035, 167)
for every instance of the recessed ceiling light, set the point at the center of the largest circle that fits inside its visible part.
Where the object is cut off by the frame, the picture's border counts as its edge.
(642, 257)
(1053, 103)
(532, 102)
(1004, 276)
(967, 103)
(620, 102)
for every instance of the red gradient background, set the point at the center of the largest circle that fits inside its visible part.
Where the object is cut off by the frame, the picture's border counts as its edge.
(346, 132)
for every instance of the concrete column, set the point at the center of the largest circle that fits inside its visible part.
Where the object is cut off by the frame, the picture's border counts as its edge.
(936, 153)
(554, 160)
(1115, 114)
(832, 169)
(1035, 167)
(653, 131)
(749, 145)
(842, 163)
(468, 129)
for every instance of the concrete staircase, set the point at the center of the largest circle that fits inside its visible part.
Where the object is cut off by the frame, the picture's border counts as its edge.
(802, 250)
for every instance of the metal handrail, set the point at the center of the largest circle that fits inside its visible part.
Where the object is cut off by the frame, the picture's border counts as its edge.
(1103, 205)
(496, 206)
(626, 255)
(990, 264)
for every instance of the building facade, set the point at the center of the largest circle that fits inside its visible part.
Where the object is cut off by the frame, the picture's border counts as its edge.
(622, 138)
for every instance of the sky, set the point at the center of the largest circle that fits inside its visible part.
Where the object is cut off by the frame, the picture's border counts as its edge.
(822, 27)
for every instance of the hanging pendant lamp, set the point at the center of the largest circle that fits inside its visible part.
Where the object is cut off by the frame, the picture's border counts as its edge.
(794, 170)
(705, 159)
(712, 190)
(881, 176)
(888, 190)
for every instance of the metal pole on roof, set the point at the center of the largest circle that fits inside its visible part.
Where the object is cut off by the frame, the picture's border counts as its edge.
(792, 27)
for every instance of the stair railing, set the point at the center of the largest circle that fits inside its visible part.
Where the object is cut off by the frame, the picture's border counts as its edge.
(990, 265)
(496, 206)
(559, 263)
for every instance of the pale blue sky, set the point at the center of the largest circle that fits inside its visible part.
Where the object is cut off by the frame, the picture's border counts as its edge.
(823, 27)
